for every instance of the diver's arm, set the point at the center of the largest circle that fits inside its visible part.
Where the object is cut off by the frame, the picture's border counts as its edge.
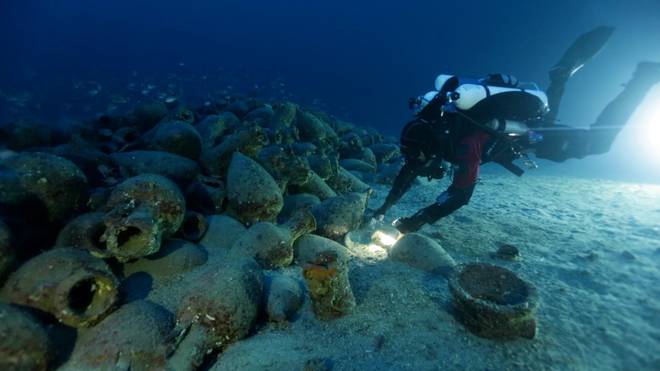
(459, 192)
(401, 185)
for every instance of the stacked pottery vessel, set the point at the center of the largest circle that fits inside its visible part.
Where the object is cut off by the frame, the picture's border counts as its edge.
(202, 208)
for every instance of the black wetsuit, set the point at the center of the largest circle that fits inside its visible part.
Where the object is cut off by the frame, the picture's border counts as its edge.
(425, 142)
(435, 136)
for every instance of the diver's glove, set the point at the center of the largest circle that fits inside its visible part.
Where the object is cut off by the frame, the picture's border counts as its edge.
(407, 225)
(372, 219)
(428, 215)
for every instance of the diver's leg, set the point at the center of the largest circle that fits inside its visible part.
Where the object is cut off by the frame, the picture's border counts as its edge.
(468, 159)
(448, 202)
(618, 112)
(558, 79)
(562, 142)
(583, 48)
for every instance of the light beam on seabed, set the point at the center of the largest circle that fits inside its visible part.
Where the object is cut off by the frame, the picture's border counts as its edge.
(385, 239)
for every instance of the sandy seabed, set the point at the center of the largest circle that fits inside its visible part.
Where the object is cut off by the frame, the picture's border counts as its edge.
(591, 247)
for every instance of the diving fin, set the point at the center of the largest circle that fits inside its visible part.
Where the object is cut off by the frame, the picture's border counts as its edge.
(583, 48)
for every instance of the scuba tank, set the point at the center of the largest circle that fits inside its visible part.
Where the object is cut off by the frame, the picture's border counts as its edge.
(511, 128)
(469, 95)
(466, 93)
(498, 104)
(508, 110)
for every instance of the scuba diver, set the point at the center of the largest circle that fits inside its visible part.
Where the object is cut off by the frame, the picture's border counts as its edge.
(465, 122)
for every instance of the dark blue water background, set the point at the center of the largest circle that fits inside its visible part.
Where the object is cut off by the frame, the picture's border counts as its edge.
(359, 60)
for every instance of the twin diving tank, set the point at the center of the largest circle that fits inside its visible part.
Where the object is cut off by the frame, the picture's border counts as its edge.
(511, 103)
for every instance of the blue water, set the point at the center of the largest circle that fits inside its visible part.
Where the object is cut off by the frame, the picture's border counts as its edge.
(358, 60)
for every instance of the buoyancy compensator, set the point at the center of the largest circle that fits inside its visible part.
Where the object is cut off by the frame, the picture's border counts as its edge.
(498, 104)
(496, 95)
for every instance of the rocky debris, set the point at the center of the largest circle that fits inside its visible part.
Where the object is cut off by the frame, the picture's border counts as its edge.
(248, 141)
(325, 269)
(196, 201)
(385, 152)
(142, 211)
(252, 194)
(24, 343)
(338, 215)
(314, 130)
(97, 198)
(286, 168)
(507, 252)
(97, 165)
(43, 183)
(239, 107)
(7, 251)
(388, 172)
(351, 143)
(210, 130)
(181, 113)
(24, 134)
(423, 253)
(222, 232)
(366, 155)
(221, 308)
(261, 115)
(194, 226)
(174, 258)
(272, 245)
(72, 285)
(494, 302)
(316, 186)
(304, 149)
(107, 140)
(176, 137)
(352, 164)
(325, 166)
(138, 336)
(346, 182)
(284, 297)
(294, 203)
(284, 113)
(180, 170)
(147, 115)
(84, 232)
(207, 195)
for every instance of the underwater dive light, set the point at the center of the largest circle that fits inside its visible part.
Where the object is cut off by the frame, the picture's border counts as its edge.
(648, 119)
(385, 238)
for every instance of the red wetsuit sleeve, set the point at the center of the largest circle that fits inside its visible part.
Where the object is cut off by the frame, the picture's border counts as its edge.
(468, 159)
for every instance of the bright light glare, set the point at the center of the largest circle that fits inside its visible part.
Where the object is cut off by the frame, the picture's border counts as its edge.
(374, 249)
(384, 239)
(648, 117)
